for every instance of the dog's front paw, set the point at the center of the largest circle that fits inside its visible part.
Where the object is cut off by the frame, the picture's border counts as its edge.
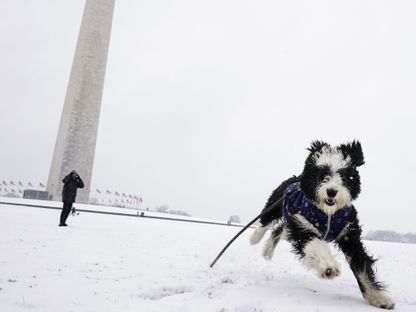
(379, 299)
(330, 273)
(318, 257)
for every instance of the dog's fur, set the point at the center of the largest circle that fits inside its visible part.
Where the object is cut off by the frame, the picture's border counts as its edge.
(327, 170)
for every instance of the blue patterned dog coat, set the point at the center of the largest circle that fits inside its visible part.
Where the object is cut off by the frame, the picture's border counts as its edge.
(297, 203)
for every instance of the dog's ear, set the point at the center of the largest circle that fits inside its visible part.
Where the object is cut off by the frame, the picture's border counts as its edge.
(316, 146)
(355, 151)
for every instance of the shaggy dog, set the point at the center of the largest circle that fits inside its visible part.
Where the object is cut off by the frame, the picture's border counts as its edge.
(317, 210)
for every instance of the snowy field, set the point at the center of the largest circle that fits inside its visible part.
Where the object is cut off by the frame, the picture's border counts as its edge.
(114, 263)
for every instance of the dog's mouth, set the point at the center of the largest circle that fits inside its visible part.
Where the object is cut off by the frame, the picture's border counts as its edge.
(330, 201)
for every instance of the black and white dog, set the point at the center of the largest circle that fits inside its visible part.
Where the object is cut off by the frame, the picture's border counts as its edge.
(317, 210)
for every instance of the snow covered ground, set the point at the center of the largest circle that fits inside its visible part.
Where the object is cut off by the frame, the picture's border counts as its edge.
(115, 263)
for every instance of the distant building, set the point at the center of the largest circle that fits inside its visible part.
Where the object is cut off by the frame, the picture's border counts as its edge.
(234, 219)
(35, 194)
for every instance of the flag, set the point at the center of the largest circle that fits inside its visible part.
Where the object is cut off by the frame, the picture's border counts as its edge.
(13, 191)
(140, 199)
(117, 193)
(29, 184)
(98, 191)
(20, 183)
(4, 182)
(11, 183)
(41, 185)
(124, 195)
(107, 192)
(130, 196)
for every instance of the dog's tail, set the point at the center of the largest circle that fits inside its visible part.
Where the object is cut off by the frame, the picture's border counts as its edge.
(258, 234)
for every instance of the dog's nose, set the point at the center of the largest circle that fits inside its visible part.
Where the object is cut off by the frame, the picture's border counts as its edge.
(331, 192)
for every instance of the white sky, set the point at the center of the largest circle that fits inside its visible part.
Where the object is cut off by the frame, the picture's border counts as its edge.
(209, 105)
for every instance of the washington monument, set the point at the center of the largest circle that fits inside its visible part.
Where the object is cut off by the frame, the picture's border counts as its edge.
(77, 135)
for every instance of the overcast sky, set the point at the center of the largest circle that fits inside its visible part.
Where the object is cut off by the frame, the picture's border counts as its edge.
(209, 105)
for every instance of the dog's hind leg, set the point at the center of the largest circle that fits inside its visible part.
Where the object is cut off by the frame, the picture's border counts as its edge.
(258, 234)
(270, 245)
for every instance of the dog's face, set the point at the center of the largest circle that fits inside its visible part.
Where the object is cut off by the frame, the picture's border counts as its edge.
(330, 178)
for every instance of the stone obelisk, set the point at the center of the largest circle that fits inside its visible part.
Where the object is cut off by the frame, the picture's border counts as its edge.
(76, 140)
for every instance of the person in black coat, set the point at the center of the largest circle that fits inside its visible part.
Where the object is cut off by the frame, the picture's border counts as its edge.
(69, 192)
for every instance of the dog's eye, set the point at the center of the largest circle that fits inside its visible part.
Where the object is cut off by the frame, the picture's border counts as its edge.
(351, 177)
(323, 177)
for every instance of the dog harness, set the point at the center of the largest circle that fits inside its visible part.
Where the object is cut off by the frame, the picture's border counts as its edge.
(328, 226)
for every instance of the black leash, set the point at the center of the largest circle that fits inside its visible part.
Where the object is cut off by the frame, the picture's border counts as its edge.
(277, 202)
